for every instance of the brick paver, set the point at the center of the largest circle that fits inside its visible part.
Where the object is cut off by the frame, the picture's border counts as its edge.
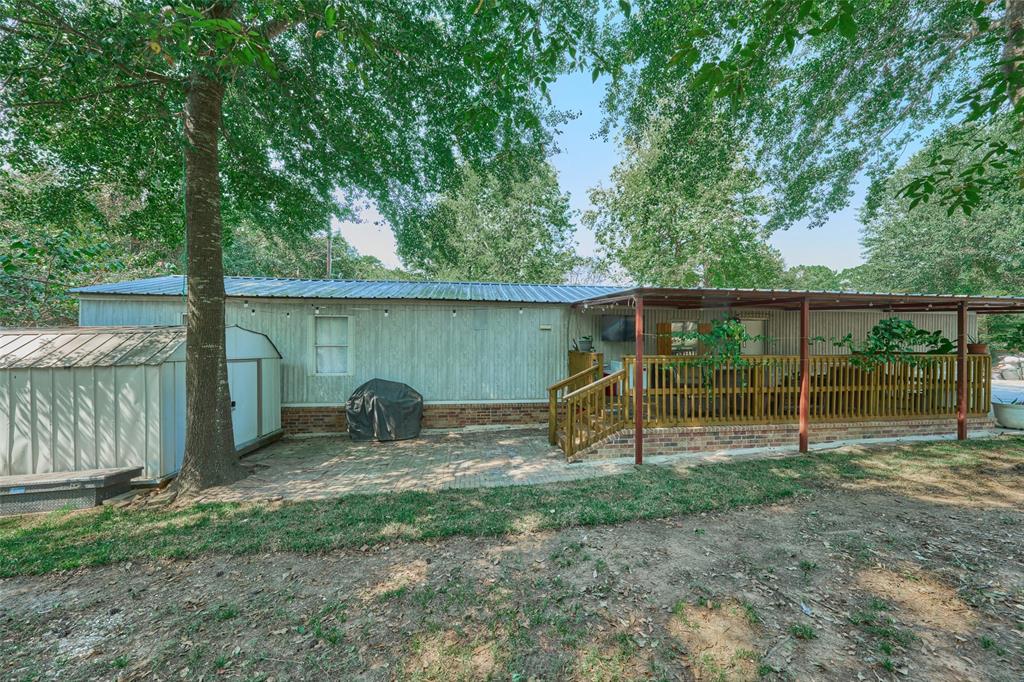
(331, 466)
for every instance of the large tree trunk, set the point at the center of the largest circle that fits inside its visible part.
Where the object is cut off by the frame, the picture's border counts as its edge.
(210, 457)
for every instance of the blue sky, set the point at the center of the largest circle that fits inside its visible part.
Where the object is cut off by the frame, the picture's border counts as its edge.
(586, 161)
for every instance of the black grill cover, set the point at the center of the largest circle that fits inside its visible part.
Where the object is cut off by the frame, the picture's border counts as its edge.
(384, 410)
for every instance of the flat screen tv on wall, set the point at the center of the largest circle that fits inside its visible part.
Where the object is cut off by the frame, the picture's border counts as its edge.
(618, 328)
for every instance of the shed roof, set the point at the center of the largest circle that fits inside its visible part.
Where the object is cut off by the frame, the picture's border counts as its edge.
(88, 346)
(271, 287)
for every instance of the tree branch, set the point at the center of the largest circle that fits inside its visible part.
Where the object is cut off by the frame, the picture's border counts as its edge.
(65, 27)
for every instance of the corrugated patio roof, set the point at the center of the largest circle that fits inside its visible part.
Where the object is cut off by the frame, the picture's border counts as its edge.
(88, 346)
(792, 299)
(270, 287)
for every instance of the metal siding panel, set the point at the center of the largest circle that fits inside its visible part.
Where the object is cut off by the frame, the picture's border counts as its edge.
(130, 310)
(42, 432)
(271, 387)
(179, 413)
(419, 344)
(131, 416)
(151, 374)
(64, 413)
(166, 428)
(85, 424)
(106, 417)
(22, 423)
(5, 423)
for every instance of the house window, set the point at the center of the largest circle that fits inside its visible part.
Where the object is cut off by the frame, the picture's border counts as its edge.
(331, 344)
(682, 344)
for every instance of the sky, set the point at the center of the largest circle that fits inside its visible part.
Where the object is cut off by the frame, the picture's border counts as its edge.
(586, 161)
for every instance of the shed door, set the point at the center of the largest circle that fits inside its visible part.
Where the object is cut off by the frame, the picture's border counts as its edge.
(244, 387)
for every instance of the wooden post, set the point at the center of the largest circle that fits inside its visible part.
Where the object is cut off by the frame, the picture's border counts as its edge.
(552, 416)
(638, 386)
(805, 373)
(961, 371)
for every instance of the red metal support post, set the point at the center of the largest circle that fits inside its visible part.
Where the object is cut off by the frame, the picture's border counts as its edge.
(805, 373)
(638, 386)
(961, 371)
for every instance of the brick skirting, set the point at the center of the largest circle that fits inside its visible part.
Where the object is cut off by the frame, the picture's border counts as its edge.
(670, 441)
(331, 419)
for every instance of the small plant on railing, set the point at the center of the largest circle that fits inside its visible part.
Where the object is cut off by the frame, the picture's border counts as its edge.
(894, 340)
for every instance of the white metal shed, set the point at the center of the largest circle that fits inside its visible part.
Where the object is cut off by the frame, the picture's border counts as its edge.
(106, 397)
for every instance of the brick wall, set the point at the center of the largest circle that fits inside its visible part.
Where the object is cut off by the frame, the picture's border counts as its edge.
(670, 441)
(435, 416)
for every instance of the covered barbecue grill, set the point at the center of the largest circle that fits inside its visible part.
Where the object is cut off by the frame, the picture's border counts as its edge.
(384, 410)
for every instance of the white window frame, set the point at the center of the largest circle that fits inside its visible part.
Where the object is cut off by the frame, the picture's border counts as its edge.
(314, 370)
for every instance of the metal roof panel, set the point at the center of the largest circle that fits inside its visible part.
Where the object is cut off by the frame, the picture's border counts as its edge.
(268, 287)
(88, 346)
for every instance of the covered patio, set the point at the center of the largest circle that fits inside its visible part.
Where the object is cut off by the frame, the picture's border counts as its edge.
(807, 391)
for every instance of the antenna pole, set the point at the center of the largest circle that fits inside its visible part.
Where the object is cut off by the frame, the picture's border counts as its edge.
(330, 249)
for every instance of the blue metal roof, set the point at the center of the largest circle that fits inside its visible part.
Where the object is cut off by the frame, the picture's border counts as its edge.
(270, 287)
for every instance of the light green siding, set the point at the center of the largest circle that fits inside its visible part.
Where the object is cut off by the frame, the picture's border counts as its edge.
(482, 353)
(486, 352)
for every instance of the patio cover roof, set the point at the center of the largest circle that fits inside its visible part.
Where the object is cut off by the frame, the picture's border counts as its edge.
(788, 299)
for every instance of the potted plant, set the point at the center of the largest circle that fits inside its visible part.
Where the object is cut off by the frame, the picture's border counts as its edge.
(894, 340)
(585, 344)
(976, 347)
(1010, 415)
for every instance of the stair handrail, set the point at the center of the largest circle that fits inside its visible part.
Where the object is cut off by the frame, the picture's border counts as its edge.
(553, 390)
(580, 395)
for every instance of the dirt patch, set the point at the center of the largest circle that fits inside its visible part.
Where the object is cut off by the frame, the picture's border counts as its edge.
(721, 639)
(921, 578)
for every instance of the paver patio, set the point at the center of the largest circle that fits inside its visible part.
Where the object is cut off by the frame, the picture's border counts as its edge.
(330, 466)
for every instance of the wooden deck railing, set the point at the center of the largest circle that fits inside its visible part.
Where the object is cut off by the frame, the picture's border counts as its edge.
(763, 389)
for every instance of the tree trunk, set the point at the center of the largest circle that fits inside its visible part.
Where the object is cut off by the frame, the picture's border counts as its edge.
(210, 457)
(1013, 49)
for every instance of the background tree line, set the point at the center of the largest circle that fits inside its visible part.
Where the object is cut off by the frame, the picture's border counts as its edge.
(224, 136)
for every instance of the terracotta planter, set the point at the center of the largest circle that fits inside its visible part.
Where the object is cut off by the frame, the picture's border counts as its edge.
(977, 348)
(1008, 415)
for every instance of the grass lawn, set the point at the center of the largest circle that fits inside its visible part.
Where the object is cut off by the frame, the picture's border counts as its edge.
(65, 540)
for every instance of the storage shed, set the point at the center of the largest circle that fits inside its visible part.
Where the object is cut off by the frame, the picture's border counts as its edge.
(107, 397)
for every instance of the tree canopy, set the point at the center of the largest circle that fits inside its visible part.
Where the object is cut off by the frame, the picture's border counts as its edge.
(684, 212)
(512, 225)
(250, 251)
(825, 90)
(927, 248)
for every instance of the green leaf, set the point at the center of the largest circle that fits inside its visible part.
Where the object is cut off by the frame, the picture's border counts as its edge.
(847, 26)
(625, 7)
(330, 16)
